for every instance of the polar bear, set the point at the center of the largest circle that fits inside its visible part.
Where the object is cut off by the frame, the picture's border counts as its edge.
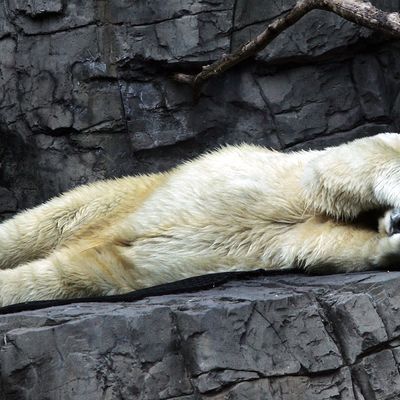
(238, 208)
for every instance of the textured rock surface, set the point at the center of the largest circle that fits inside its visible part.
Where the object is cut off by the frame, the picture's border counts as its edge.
(277, 338)
(85, 89)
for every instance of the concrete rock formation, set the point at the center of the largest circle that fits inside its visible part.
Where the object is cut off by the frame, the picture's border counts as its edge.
(278, 338)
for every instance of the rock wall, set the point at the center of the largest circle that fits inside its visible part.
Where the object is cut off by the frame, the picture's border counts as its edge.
(85, 88)
(275, 338)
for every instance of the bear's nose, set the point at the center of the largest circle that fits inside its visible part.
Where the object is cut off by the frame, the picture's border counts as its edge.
(395, 221)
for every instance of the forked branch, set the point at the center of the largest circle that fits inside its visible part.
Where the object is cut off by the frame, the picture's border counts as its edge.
(357, 11)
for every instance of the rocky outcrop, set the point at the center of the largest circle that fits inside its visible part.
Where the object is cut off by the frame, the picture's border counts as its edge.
(284, 337)
(86, 90)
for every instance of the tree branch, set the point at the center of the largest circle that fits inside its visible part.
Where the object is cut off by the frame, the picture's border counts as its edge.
(357, 11)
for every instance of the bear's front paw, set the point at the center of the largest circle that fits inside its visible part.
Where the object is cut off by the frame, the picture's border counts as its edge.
(388, 255)
(393, 244)
(390, 222)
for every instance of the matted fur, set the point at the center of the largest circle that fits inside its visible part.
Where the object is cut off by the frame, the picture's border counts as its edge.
(237, 208)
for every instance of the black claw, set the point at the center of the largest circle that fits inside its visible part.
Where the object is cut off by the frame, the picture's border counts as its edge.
(395, 221)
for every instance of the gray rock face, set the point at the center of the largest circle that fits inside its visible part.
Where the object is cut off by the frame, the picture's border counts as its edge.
(86, 94)
(279, 337)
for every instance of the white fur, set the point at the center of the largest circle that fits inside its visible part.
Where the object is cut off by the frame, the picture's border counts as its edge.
(241, 207)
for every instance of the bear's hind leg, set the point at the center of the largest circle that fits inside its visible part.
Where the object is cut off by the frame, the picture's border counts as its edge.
(68, 273)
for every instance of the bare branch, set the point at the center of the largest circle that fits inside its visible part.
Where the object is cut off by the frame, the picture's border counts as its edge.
(357, 11)
(184, 78)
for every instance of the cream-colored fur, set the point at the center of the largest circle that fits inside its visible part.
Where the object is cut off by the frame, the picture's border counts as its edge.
(241, 207)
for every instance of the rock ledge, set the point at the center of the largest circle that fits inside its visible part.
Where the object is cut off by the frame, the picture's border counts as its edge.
(282, 337)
